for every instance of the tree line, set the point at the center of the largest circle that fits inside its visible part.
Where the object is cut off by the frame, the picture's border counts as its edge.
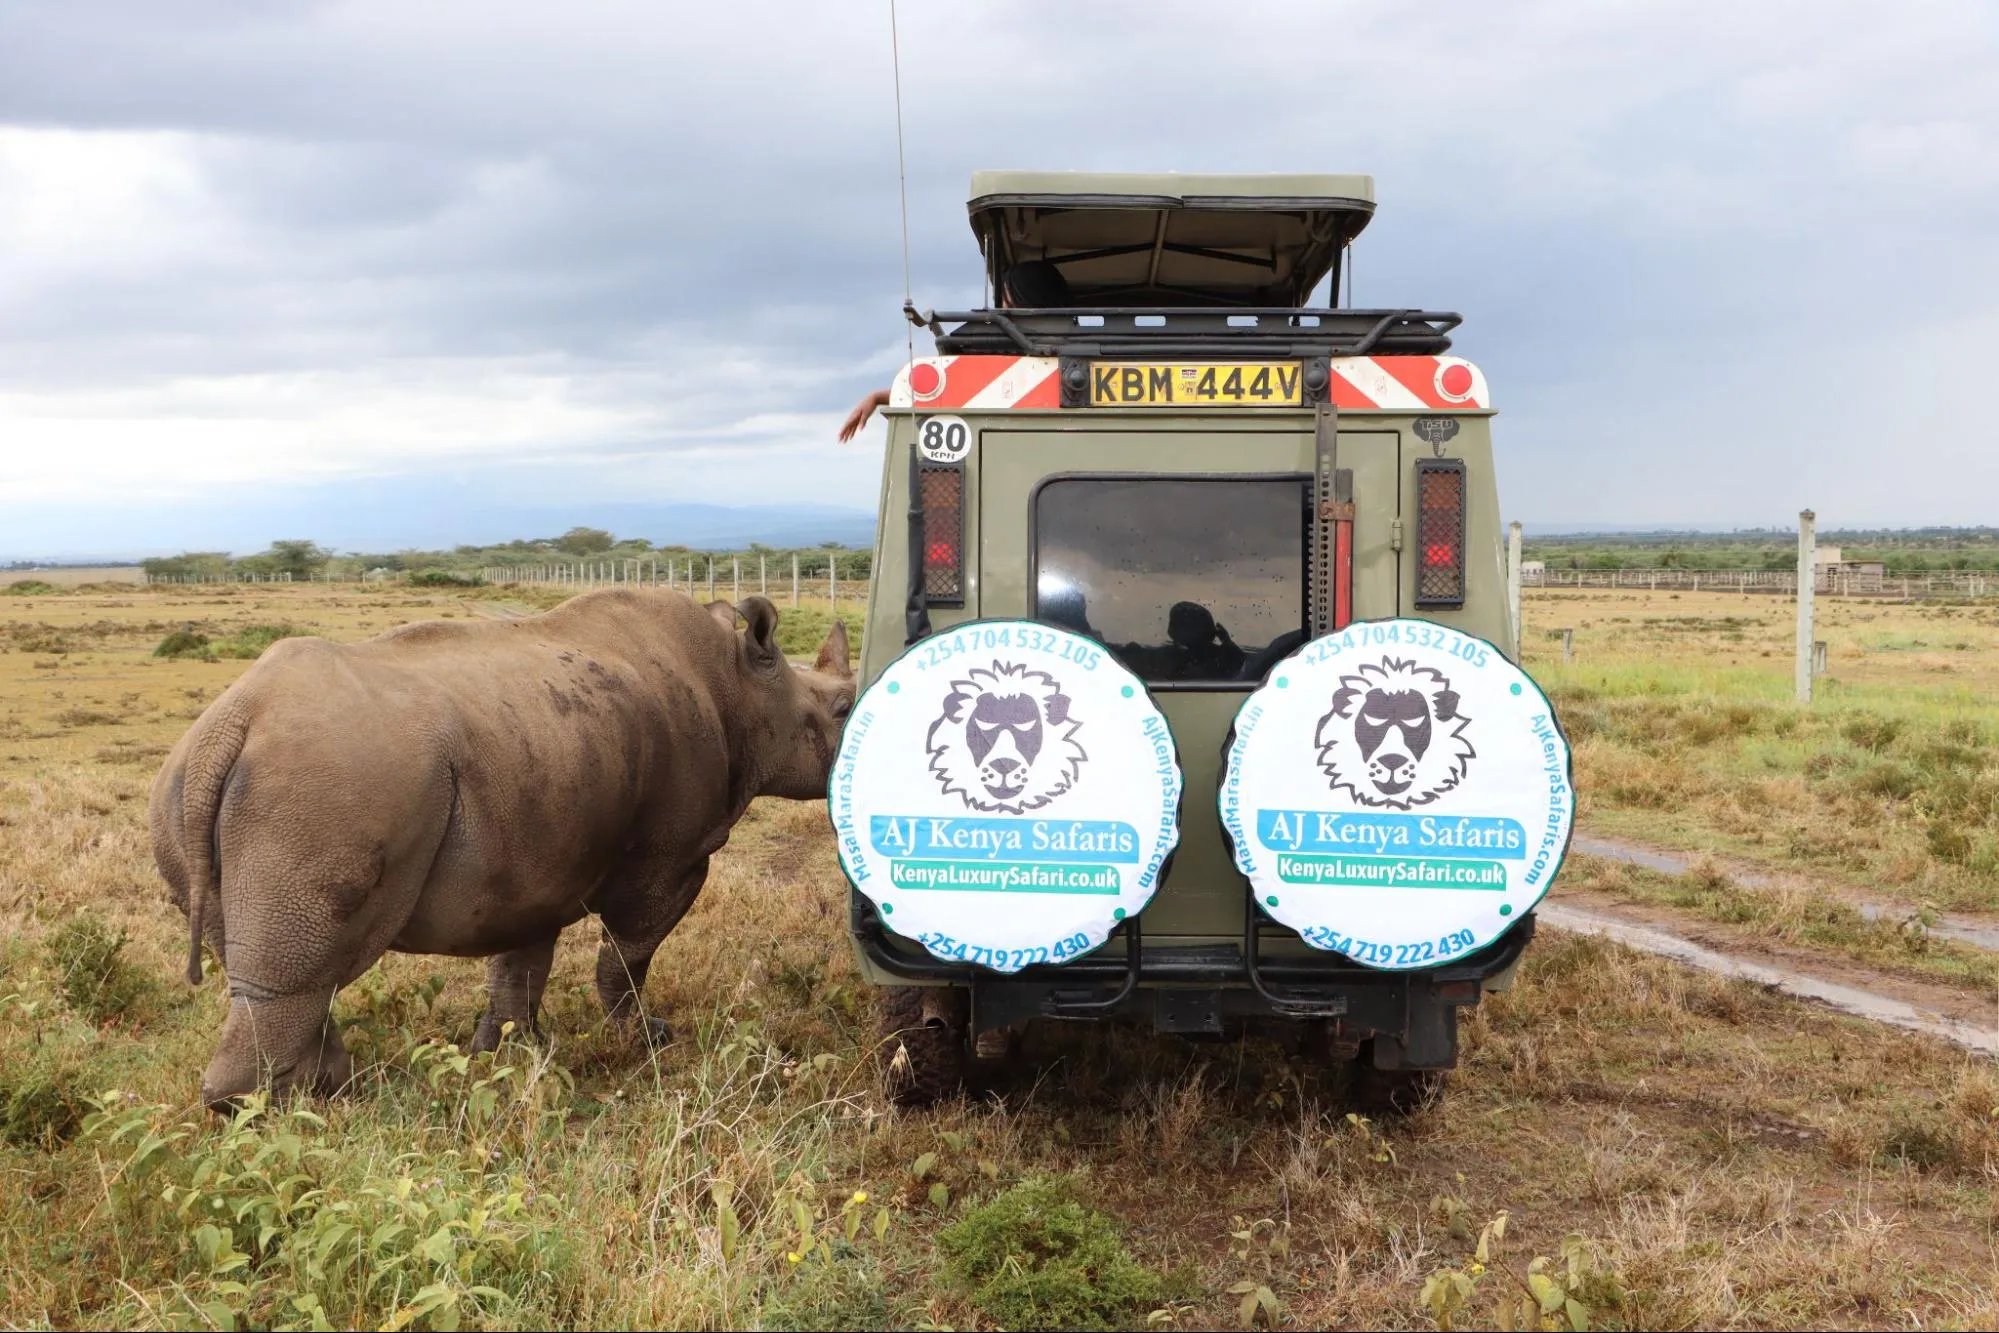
(303, 560)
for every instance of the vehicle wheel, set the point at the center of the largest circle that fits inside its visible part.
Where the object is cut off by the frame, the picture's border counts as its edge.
(922, 1047)
(1391, 1091)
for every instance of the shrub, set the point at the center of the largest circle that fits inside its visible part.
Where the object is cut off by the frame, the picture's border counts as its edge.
(88, 958)
(40, 1110)
(1871, 731)
(444, 578)
(1036, 1257)
(249, 643)
(31, 588)
(184, 643)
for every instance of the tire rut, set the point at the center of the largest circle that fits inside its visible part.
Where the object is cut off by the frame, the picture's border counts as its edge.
(1963, 929)
(1650, 937)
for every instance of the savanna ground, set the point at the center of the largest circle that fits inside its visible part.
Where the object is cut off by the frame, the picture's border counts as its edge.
(1720, 1155)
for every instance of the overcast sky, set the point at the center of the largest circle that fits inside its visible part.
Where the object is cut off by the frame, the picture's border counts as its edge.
(1718, 260)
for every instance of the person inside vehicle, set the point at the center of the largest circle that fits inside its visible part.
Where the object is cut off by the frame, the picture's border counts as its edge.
(1200, 649)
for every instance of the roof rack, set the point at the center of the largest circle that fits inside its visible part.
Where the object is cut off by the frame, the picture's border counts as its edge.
(1151, 331)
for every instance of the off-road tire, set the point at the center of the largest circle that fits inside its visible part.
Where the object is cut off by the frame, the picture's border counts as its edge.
(1395, 1092)
(922, 1060)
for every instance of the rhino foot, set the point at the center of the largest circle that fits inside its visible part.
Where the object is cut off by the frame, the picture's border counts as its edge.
(654, 1032)
(488, 1036)
(290, 1045)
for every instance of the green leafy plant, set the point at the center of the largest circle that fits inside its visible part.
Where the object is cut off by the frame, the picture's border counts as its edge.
(278, 1230)
(1553, 1294)
(1264, 1247)
(1037, 1257)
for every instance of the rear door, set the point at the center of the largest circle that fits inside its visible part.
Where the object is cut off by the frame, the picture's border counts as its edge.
(1183, 551)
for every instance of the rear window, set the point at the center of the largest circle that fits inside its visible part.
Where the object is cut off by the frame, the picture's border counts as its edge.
(1185, 580)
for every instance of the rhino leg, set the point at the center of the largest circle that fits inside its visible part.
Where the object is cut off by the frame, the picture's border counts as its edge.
(289, 1041)
(514, 982)
(634, 926)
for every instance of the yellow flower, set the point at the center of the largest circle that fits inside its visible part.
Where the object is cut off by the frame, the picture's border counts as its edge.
(1477, 1268)
(795, 1257)
(860, 1196)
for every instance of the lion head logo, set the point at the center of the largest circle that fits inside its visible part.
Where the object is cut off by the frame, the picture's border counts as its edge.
(1006, 742)
(1394, 737)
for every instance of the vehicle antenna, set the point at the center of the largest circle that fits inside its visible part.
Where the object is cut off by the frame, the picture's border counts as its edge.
(902, 183)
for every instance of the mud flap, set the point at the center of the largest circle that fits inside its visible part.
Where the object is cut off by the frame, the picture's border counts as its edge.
(1430, 1043)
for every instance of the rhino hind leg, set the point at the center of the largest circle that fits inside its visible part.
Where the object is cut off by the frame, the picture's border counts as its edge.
(287, 1041)
(635, 924)
(514, 982)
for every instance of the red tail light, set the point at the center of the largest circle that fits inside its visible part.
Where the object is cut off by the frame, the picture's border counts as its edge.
(1440, 532)
(943, 497)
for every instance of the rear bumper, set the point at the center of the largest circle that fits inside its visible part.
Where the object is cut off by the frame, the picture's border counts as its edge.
(1205, 988)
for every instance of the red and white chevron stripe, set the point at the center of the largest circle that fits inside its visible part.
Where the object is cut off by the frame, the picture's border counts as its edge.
(1359, 384)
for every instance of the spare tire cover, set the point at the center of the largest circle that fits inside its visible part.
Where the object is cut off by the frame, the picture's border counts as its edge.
(1006, 792)
(1397, 792)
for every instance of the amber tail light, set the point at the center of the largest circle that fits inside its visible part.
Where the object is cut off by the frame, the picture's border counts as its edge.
(1440, 532)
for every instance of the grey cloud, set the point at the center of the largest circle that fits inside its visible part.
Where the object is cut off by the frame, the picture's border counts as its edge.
(689, 214)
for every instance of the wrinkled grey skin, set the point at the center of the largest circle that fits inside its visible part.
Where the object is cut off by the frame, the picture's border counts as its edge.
(471, 788)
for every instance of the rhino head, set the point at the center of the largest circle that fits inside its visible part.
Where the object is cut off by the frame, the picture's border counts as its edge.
(791, 716)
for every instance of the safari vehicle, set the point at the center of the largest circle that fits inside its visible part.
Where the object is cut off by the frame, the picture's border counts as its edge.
(1153, 436)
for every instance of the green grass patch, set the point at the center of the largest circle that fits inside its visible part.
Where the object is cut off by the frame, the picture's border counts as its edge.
(1038, 1257)
(800, 630)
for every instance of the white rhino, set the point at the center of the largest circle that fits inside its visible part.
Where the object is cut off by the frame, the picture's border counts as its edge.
(471, 788)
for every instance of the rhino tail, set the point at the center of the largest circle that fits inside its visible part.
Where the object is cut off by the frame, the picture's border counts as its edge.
(209, 763)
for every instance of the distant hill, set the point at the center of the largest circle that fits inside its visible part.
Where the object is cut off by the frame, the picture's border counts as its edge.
(391, 515)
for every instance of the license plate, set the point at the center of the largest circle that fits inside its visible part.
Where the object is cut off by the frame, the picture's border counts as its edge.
(1197, 384)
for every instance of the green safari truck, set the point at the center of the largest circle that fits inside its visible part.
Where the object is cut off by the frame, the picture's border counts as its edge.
(1151, 436)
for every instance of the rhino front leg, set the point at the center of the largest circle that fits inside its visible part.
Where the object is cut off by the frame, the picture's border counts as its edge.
(514, 982)
(635, 924)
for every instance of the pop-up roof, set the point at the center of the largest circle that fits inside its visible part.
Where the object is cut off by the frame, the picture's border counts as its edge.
(1136, 239)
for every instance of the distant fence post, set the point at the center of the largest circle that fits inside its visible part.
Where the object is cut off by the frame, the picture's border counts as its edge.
(735, 578)
(763, 576)
(794, 578)
(1513, 583)
(832, 578)
(1568, 646)
(711, 578)
(1807, 559)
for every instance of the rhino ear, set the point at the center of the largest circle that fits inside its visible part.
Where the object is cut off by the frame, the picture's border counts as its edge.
(724, 613)
(761, 640)
(834, 658)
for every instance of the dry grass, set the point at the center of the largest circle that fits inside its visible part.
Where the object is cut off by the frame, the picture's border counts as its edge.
(1735, 1159)
(1679, 708)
